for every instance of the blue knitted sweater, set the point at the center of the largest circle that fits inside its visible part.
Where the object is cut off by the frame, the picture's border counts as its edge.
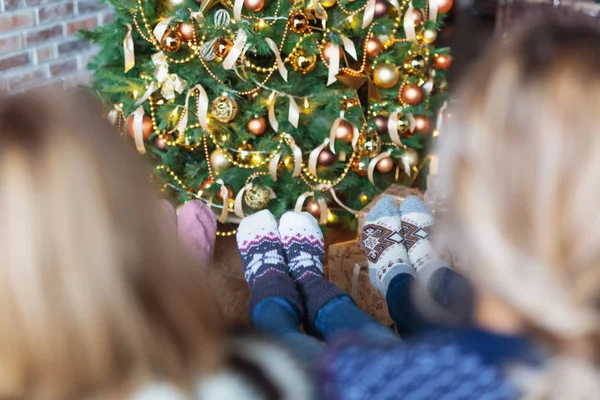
(438, 365)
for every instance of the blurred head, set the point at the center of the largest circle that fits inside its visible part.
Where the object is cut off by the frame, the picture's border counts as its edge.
(521, 165)
(95, 291)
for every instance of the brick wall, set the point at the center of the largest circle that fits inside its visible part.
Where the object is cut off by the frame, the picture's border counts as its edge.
(38, 45)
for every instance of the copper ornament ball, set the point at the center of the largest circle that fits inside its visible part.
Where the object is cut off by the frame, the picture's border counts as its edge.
(257, 125)
(411, 94)
(147, 127)
(328, 51)
(386, 76)
(422, 124)
(298, 22)
(312, 207)
(186, 31)
(385, 165)
(373, 46)
(344, 131)
(171, 41)
(382, 7)
(444, 6)
(442, 61)
(222, 46)
(326, 158)
(230, 193)
(254, 5)
(417, 17)
(381, 124)
(208, 182)
(161, 144)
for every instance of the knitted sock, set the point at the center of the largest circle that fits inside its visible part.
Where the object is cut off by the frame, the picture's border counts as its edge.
(384, 245)
(302, 241)
(417, 226)
(264, 260)
(197, 230)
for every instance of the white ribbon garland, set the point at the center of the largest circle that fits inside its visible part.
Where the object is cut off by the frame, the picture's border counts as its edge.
(201, 109)
(322, 206)
(128, 49)
(369, 14)
(113, 115)
(334, 63)
(297, 155)
(280, 66)
(409, 24)
(138, 125)
(273, 166)
(237, 9)
(161, 28)
(332, 131)
(293, 111)
(349, 47)
(373, 164)
(239, 207)
(433, 10)
(337, 200)
(225, 197)
(236, 49)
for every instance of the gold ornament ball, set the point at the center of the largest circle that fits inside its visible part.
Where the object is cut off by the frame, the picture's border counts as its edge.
(442, 61)
(344, 131)
(361, 167)
(186, 31)
(429, 36)
(254, 5)
(328, 51)
(257, 197)
(304, 62)
(147, 127)
(403, 126)
(382, 7)
(422, 124)
(224, 109)
(411, 94)
(444, 6)
(410, 157)
(171, 41)
(383, 39)
(327, 3)
(381, 124)
(257, 125)
(244, 154)
(222, 46)
(326, 158)
(415, 65)
(370, 147)
(385, 165)
(219, 159)
(386, 76)
(312, 207)
(298, 22)
(373, 47)
(256, 159)
(230, 194)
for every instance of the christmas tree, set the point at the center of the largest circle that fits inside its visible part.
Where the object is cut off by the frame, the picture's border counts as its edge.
(279, 104)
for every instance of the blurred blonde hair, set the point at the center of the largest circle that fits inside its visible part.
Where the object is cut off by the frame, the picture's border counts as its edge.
(521, 166)
(96, 295)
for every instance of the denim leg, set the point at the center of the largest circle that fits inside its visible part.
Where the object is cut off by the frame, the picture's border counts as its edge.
(340, 316)
(277, 317)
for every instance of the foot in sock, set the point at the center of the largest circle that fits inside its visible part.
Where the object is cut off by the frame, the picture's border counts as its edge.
(417, 226)
(384, 245)
(303, 244)
(263, 259)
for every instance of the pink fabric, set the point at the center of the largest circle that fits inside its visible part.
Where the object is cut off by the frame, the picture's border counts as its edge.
(197, 230)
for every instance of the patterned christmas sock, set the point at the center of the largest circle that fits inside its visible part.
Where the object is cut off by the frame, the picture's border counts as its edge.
(263, 258)
(417, 225)
(383, 245)
(302, 241)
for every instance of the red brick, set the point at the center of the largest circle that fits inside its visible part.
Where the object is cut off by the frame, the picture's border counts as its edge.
(90, 6)
(55, 12)
(41, 35)
(11, 5)
(63, 67)
(29, 78)
(11, 43)
(39, 2)
(73, 46)
(17, 60)
(45, 53)
(17, 20)
(75, 26)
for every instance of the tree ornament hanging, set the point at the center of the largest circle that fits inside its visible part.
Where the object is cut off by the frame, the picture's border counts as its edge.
(411, 94)
(298, 22)
(254, 5)
(373, 46)
(219, 160)
(442, 61)
(313, 208)
(444, 6)
(386, 76)
(422, 124)
(409, 158)
(304, 62)
(222, 46)
(230, 193)
(369, 146)
(257, 197)
(160, 143)
(344, 131)
(385, 165)
(415, 65)
(186, 31)
(171, 41)
(244, 153)
(429, 36)
(328, 51)
(327, 3)
(224, 109)
(208, 182)
(147, 127)
(361, 166)
(326, 158)
(381, 124)
(382, 7)
(257, 125)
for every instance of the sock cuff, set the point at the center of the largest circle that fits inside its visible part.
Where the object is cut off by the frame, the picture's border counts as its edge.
(277, 286)
(317, 291)
(394, 269)
(430, 267)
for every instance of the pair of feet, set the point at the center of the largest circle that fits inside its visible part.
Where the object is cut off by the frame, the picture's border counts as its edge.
(398, 241)
(285, 260)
